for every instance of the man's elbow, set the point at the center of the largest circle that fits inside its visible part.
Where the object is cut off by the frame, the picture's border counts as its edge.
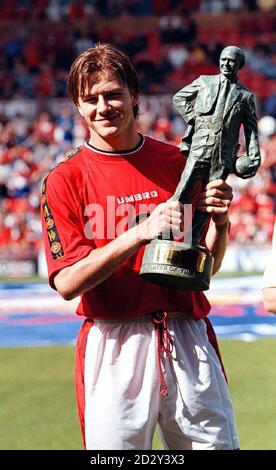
(65, 293)
(63, 287)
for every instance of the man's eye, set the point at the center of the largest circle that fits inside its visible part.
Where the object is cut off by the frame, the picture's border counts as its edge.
(90, 100)
(113, 95)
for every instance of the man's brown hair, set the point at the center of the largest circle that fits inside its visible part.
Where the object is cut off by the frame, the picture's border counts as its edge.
(94, 62)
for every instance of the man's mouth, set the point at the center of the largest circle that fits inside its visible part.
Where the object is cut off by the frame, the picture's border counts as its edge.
(107, 118)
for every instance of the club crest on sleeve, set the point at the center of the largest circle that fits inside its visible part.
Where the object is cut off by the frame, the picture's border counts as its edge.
(52, 232)
(55, 247)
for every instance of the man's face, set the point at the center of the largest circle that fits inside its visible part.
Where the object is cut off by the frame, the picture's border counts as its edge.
(228, 63)
(108, 109)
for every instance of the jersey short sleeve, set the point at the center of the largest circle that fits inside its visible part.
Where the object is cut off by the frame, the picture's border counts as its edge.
(63, 222)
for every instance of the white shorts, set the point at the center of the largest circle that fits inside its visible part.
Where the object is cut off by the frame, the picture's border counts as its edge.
(118, 388)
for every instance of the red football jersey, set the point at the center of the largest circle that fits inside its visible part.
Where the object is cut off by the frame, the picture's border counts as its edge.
(92, 197)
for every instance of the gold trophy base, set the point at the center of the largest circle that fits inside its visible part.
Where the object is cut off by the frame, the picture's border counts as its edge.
(177, 265)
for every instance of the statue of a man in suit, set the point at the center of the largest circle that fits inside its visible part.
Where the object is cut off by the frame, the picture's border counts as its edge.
(214, 107)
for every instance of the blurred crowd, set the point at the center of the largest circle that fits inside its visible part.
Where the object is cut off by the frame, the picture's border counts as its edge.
(39, 40)
(39, 126)
(30, 147)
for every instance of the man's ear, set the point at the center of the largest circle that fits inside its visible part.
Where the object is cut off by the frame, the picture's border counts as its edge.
(135, 100)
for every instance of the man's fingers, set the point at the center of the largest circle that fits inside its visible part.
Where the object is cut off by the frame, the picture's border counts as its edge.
(214, 201)
(216, 193)
(213, 209)
(173, 208)
(219, 183)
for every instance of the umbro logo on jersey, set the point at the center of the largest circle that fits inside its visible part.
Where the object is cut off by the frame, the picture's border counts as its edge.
(137, 197)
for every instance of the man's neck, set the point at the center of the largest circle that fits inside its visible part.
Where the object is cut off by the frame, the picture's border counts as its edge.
(115, 143)
(117, 151)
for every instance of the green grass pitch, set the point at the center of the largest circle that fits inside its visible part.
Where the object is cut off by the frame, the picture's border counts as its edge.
(38, 409)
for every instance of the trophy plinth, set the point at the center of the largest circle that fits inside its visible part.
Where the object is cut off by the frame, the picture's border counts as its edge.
(177, 265)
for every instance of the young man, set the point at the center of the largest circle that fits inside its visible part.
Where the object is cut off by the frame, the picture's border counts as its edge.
(143, 353)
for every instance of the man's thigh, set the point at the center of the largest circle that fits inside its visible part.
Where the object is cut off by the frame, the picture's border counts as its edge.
(121, 386)
(197, 413)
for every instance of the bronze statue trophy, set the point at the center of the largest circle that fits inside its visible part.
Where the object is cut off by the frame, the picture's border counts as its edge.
(214, 107)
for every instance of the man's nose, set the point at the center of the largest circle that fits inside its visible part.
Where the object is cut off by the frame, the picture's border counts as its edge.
(102, 104)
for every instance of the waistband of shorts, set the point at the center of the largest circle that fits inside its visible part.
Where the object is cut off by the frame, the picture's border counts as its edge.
(149, 317)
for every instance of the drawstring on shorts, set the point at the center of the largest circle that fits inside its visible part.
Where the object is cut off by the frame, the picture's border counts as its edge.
(164, 345)
(164, 339)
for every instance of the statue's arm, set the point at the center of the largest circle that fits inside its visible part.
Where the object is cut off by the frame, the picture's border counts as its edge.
(250, 126)
(183, 101)
(251, 130)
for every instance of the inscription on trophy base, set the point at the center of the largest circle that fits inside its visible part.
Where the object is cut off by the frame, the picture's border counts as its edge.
(177, 265)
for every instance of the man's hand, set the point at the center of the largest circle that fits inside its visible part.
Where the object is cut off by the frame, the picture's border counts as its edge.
(216, 200)
(165, 219)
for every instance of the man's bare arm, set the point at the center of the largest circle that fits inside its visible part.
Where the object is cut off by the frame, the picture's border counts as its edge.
(102, 262)
(216, 200)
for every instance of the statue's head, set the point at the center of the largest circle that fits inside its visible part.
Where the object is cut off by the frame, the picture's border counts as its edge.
(231, 60)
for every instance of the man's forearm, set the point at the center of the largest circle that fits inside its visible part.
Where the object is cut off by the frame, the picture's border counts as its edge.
(217, 240)
(97, 266)
(103, 262)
